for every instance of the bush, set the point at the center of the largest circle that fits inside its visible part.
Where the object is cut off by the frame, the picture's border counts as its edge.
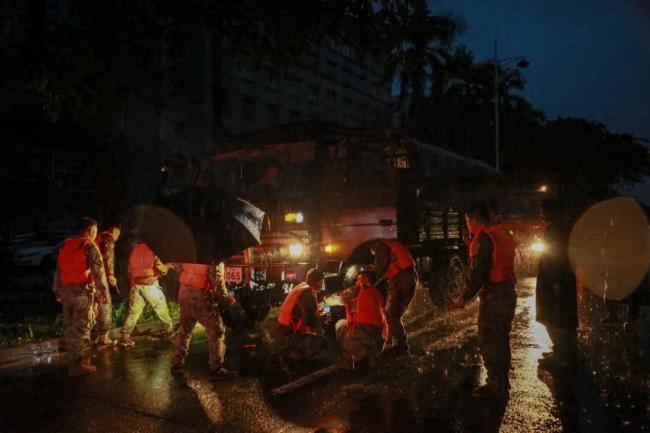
(32, 329)
(45, 327)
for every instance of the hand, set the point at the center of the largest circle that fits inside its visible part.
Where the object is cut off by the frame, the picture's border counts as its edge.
(231, 300)
(459, 302)
(59, 298)
(112, 281)
(103, 299)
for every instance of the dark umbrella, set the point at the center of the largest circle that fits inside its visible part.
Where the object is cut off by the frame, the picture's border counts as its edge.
(196, 226)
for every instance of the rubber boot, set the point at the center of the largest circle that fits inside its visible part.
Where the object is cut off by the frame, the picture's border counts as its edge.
(222, 374)
(81, 366)
(104, 340)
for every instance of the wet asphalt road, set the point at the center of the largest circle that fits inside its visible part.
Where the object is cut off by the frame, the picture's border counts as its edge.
(133, 390)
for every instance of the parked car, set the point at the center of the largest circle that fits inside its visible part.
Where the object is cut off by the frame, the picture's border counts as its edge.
(43, 254)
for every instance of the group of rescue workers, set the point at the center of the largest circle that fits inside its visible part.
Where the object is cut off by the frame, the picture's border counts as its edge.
(85, 274)
(371, 330)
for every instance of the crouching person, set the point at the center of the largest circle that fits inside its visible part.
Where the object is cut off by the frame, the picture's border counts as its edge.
(202, 291)
(360, 333)
(299, 325)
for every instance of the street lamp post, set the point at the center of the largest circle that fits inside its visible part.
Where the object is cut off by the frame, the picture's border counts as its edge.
(522, 63)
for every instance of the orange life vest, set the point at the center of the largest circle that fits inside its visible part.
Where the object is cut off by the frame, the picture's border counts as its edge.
(503, 252)
(73, 262)
(400, 259)
(141, 261)
(194, 275)
(367, 308)
(287, 317)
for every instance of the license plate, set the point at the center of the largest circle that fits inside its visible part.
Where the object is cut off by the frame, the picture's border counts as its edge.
(234, 274)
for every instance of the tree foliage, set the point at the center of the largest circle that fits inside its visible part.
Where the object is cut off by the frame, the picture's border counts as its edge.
(105, 53)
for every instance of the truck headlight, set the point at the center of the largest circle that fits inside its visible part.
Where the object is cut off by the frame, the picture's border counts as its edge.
(294, 217)
(296, 250)
(538, 246)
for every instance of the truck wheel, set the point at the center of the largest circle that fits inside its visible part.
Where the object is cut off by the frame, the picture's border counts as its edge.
(448, 283)
(455, 278)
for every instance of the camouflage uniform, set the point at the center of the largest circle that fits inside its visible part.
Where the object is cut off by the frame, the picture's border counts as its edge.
(78, 312)
(106, 245)
(300, 346)
(401, 290)
(365, 341)
(143, 291)
(196, 306)
(496, 312)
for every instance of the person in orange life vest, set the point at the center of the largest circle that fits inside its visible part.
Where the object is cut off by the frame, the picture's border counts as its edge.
(106, 243)
(197, 283)
(78, 280)
(299, 325)
(145, 268)
(492, 253)
(394, 263)
(360, 333)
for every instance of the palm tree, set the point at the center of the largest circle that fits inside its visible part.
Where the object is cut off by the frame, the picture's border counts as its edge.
(418, 45)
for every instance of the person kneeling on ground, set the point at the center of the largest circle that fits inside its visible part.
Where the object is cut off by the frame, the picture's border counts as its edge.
(299, 326)
(360, 333)
(202, 292)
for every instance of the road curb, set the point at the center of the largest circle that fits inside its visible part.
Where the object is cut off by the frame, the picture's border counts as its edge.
(54, 346)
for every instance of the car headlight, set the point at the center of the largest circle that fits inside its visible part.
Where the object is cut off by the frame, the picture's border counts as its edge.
(329, 248)
(538, 246)
(296, 250)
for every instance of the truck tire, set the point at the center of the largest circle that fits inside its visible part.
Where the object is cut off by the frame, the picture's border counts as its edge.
(448, 282)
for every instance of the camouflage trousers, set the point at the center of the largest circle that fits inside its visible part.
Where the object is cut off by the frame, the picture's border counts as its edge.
(401, 290)
(495, 314)
(195, 307)
(139, 296)
(78, 318)
(362, 342)
(300, 346)
(103, 313)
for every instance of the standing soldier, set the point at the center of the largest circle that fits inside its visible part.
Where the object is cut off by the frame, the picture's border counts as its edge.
(106, 243)
(394, 263)
(360, 333)
(201, 287)
(556, 296)
(79, 278)
(492, 273)
(144, 270)
(298, 322)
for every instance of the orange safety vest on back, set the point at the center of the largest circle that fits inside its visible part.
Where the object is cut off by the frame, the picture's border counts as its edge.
(194, 275)
(368, 308)
(286, 316)
(503, 252)
(73, 262)
(400, 259)
(141, 261)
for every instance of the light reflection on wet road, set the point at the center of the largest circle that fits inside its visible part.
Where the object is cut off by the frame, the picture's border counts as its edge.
(133, 390)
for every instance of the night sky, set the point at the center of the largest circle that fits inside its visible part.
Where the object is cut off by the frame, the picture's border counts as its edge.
(589, 58)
